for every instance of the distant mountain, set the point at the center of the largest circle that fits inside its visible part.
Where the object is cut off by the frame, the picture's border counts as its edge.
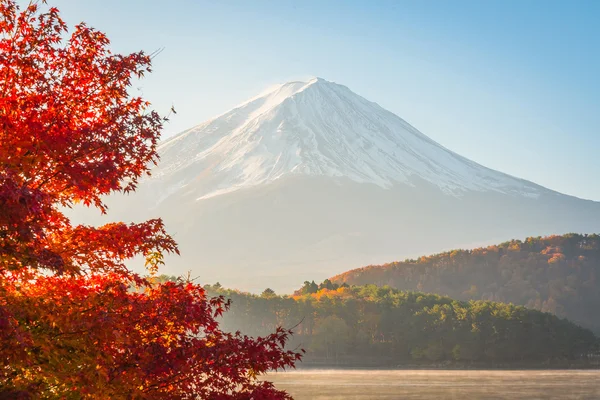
(557, 274)
(309, 179)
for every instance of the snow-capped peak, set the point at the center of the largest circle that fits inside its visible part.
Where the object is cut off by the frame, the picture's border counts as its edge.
(316, 127)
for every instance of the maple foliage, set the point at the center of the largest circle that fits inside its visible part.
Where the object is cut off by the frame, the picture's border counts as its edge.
(71, 326)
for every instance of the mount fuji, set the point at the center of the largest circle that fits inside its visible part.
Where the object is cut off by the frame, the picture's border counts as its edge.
(309, 179)
(317, 128)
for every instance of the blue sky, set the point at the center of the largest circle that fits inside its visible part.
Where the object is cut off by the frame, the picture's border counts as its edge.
(513, 85)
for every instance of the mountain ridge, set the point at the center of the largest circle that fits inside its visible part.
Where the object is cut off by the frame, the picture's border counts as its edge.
(557, 274)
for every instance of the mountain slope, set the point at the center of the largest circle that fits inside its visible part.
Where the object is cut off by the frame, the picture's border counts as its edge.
(318, 128)
(557, 274)
(309, 179)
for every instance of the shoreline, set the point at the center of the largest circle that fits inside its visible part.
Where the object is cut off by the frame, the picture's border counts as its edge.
(444, 367)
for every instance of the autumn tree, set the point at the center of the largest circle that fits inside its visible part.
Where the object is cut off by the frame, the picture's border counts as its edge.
(268, 292)
(70, 325)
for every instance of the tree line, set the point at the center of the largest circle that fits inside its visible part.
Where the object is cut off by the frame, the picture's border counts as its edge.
(363, 325)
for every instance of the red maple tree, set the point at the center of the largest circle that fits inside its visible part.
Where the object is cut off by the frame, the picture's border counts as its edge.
(70, 324)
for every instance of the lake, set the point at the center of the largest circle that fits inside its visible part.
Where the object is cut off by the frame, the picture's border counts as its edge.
(436, 384)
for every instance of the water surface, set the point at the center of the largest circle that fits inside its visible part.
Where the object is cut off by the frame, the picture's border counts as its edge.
(435, 384)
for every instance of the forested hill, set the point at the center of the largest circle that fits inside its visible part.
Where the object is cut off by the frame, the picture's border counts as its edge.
(557, 274)
(369, 325)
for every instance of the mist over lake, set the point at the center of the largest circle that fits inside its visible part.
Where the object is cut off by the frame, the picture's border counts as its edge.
(439, 384)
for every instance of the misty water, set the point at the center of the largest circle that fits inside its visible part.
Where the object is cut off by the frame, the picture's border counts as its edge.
(435, 384)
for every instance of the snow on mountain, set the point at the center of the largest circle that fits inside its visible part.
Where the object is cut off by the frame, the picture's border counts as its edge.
(316, 128)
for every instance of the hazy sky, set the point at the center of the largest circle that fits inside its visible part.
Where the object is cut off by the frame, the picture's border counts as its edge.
(513, 85)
